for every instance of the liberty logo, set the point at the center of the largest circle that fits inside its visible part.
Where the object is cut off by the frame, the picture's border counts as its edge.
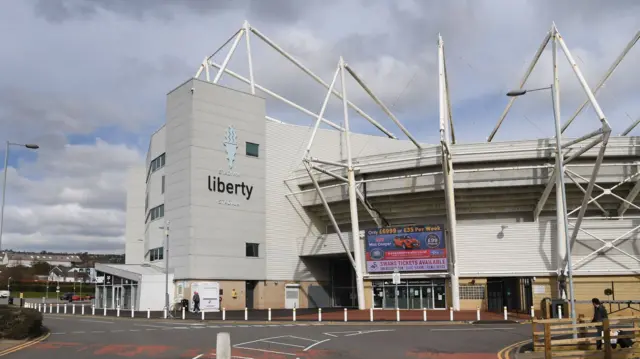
(231, 145)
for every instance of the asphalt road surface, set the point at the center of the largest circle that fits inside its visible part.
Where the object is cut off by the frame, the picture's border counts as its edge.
(95, 337)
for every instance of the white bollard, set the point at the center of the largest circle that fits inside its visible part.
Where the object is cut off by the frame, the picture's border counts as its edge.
(424, 314)
(104, 311)
(118, 311)
(38, 306)
(132, 313)
(65, 308)
(202, 314)
(533, 312)
(397, 314)
(73, 308)
(269, 314)
(165, 313)
(57, 308)
(505, 313)
(93, 309)
(223, 346)
(345, 314)
(559, 312)
(294, 314)
(224, 314)
(451, 314)
(83, 309)
(182, 313)
(148, 313)
(371, 314)
(50, 308)
(478, 313)
(319, 314)
(246, 313)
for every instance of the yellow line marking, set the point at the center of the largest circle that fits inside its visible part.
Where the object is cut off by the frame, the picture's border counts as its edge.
(504, 353)
(24, 345)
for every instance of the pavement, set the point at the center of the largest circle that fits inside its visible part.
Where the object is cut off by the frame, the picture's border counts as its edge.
(108, 338)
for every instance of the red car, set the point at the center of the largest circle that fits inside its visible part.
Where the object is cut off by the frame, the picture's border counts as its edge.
(406, 242)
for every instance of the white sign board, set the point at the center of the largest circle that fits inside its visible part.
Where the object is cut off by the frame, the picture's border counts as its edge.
(396, 277)
(209, 295)
(539, 289)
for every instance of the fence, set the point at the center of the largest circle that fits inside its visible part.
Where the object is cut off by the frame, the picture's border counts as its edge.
(554, 338)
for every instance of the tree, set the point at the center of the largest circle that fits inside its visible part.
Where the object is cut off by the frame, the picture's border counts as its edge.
(40, 268)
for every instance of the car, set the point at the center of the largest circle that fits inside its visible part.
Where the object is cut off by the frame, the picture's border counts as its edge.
(67, 296)
(406, 242)
(4, 294)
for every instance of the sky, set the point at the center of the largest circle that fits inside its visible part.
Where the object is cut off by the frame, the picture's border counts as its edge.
(87, 80)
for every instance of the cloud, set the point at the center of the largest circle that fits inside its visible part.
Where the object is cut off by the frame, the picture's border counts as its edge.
(84, 69)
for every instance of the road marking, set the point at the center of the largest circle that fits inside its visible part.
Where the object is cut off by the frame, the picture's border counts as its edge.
(370, 331)
(285, 344)
(153, 326)
(311, 340)
(314, 344)
(198, 356)
(259, 340)
(331, 335)
(95, 321)
(266, 351)
(468, 329)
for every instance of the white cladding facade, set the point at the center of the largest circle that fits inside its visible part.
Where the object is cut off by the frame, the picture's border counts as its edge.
(211, 223)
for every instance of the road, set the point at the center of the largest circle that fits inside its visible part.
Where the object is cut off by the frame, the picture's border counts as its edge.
(99, 337)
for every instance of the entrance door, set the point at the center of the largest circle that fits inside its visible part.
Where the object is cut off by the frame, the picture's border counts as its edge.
(439, 297)
(291, 297)
(118, 296)
(250, 287)
(415, 297)
(496, 298)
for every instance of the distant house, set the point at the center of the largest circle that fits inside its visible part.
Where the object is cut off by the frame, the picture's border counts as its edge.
(12, 259)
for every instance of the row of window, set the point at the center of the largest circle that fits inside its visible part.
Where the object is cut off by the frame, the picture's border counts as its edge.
(156, 254)
(156, 164)
(155, 213)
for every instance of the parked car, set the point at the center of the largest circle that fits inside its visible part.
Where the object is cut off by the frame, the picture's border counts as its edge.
(67, 296)
(406, 242)
(4, 294)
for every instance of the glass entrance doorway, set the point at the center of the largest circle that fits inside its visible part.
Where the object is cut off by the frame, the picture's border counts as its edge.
(118, 297)
(412, 294)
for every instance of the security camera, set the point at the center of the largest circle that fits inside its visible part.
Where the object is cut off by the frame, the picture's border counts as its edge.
(192, 89)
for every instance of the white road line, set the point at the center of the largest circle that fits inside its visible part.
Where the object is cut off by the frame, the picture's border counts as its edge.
(198, 356)
(285, 344)
(98, 331)
(331, 335)
(259, 340)
(369, 331)
(311, 340)
(153, 326)
(151, 329)
(267, 351)
(314, 344)
(61, 333)
(467, 329)
(79, 332)
(134, 330)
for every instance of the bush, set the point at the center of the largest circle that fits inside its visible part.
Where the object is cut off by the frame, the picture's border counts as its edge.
(19, 323)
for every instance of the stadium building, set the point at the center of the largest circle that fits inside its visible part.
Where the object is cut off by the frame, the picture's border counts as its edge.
(262, 214)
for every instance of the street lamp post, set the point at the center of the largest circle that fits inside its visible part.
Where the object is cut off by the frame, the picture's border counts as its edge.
(9, 284)
(4, 184)
(561, 200)
(166, 268)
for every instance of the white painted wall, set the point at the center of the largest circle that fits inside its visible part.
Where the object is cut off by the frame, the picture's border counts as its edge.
(134, 225)
(151, 291)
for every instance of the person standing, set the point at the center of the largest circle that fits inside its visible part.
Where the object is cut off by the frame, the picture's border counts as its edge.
(196, 302)
(599, 314)
(562, 285)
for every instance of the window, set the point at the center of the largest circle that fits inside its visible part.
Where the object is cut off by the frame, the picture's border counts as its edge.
(146, 203)
(162, 189)
(156, 254)
(155, 213)
(470, 291)
(253, 149)
(252, 249)
(156, 164)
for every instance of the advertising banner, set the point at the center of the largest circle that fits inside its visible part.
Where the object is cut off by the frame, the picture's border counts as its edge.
(209, 295)
(407, 249)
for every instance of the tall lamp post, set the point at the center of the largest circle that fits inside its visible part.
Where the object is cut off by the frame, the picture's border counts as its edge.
(30, 146)
(561, 200)
(9, 284)
(166, 268)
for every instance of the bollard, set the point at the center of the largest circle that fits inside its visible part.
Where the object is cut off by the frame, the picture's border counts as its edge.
(182, 313)
(478, 313)
(345, 314)
(559, 312)
(65, 308)
(118, 311)
(38, 306)
(165, 313)
(505, 313)
(451, 314)
(223, 346)
(148, 313)
(83, 309)
(424, 314)
(371, 314)
(202, 315)
(57, 308)
(50, 308)
(269, 315)
(224, 314)
(104, 311)
(319, 314)
(533, 312)
(73, 308)
(93, 309)
(246, 313)
(294, 314)
(397, 314)
(132, 313)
